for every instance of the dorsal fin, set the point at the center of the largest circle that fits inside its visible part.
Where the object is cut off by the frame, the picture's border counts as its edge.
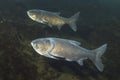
(75, 42)
(57, 13)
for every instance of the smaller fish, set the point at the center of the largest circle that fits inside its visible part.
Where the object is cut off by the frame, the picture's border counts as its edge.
(69, 50)
(53, 18)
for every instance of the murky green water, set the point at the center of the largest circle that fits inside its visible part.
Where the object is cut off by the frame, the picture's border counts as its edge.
(99, 23)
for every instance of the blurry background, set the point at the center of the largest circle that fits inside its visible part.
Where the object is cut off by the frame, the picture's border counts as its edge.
(99, 23)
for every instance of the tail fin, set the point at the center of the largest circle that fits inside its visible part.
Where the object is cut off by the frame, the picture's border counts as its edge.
(71, 21)
(96, 58)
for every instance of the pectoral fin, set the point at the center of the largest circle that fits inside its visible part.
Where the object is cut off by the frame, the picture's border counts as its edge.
(50, 25)
(56, 56)
(51, 56)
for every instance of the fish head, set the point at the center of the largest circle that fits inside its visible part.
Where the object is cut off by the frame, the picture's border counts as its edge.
(41, 46)
(34, 14)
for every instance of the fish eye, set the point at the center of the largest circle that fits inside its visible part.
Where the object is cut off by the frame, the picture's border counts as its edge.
(34, 45)
(34, 16)
(40, 44)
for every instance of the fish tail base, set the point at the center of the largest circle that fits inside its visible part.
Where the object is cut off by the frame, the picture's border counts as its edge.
(72, 21)
(96, 58)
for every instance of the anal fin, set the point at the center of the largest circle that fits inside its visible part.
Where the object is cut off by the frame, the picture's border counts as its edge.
(59, 27)
(80, 61)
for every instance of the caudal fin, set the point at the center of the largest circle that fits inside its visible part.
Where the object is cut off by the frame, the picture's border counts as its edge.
(96, 58)
(72, 21)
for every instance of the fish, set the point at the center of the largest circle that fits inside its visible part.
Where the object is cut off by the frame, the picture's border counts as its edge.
(53, 18)
(69, 50)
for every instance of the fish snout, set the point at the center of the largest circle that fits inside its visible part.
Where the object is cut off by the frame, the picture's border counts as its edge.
(31, 15)
(31, 12)
(32, 43)
(28, 12)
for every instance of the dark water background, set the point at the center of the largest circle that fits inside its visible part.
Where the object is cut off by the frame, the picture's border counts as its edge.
(99, 23)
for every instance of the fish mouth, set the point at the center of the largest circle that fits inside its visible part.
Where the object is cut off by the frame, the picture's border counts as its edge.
(28, 13)
(32, 43)
(31, 16)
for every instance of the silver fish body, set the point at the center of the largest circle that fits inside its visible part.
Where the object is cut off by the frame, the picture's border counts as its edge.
(70, 50)
(52, 18)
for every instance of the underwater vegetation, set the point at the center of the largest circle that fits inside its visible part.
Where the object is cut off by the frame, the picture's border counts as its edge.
(18, 61)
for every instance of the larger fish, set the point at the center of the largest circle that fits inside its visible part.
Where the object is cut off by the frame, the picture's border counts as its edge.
(69, 50)
(53, 18)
